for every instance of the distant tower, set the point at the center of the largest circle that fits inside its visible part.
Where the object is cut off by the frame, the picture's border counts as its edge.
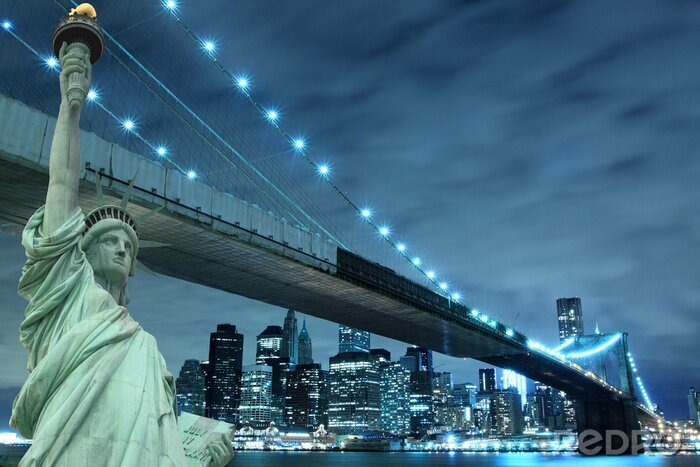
(694, 406)
(352, 340)
(289, 338)
(190, 388)
(423, 356)
(487, 380)
(570, 317)
(269, 345)
(223, 376)
(304, 347)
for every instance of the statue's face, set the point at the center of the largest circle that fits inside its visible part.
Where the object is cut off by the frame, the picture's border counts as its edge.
(111, 255)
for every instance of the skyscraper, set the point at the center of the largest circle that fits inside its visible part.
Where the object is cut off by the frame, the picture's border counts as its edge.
(289, 338)
(487, 379)
(269, 345)
(421, 405)
(352, 340)
(442, 389)
(256, 395)
(354, 403)
(223, 379)
(464, 394)
(507, 412)
(395, 398)
(423, 356)
(570, 317)
(190, 388)
(307, 396)
(694, 406)
(512, 379)
(304, 347)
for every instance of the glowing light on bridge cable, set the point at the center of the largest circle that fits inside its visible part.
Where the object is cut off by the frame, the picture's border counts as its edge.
(162, 151)
(600, 348)
(401, 247)
(191, 174)
(51, 62)
(243, 82)
(383, 231)
(456, 296)
(170, 4)
(642, 388)
(209, 46)
(510, 333)
(272, 115)
(6, 24)
(366, 213)
(443, 285)
(416, 261)
(128, 124)
(299, 143)
(430, 274)
(92, 95)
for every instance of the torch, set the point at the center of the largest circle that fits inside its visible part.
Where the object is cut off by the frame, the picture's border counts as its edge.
(79, 26)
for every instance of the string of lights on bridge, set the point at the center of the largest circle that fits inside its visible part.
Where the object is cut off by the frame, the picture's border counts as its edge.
(273, 116)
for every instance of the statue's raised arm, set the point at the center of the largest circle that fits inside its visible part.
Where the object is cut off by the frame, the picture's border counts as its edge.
(64, 165)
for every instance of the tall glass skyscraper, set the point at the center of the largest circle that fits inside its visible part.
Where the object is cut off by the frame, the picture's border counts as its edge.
(354, 402)
(507, 412)
(307, 396)
(190, 388)
(304, 347)
(256, 395)
(694, 406)
(570, 317)
(352, 340)
(395, 390)
(487, 379)
(423, 356)
(223, 378)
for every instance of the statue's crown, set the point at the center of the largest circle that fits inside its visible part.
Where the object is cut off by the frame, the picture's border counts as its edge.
(109, 212)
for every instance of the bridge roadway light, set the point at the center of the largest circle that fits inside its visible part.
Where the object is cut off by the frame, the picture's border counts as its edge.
(456, 296)
(509, 333)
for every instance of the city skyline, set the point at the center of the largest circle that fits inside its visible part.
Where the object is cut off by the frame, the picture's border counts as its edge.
(498, 162)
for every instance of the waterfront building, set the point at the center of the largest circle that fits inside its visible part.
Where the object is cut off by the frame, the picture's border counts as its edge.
(355, 401)
(395, 398)
(483, 420)
(487, 380)
(190, 388)
(304, 351)
(507, 413)
(421, 401)
(694, 406)
(269, 345)
(223, 376)
(455, 417)
(290, 339)
(306, 396)
(570, 317)
(352, 340)
(256, 396)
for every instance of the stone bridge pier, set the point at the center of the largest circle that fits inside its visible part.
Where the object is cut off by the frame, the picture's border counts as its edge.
(608, 426)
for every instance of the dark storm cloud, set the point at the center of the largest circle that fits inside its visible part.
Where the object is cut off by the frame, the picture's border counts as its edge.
(528, 149)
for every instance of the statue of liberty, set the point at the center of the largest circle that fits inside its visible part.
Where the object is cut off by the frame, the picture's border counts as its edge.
(98, 392)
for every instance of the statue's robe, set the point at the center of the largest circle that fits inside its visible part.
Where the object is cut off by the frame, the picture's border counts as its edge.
(98, 392)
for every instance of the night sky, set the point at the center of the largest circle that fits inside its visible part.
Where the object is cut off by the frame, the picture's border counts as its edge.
(531, 149)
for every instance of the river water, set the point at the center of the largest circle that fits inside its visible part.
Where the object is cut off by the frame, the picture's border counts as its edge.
(424, 459)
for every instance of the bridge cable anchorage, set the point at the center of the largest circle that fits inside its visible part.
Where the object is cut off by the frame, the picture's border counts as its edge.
(211, 130)
(272, 116)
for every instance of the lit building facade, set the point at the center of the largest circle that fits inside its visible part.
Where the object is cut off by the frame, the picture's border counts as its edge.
(352, 340)
(223, 375)
(395, 388)
(269, 345)
(355, 399)
(487, 379)
(190, 388)
(516, 381)
(507, 413)
(570, 317)
(464, 394)
(423, 356)
(422, 411)
(307, 396)
(256, 396)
